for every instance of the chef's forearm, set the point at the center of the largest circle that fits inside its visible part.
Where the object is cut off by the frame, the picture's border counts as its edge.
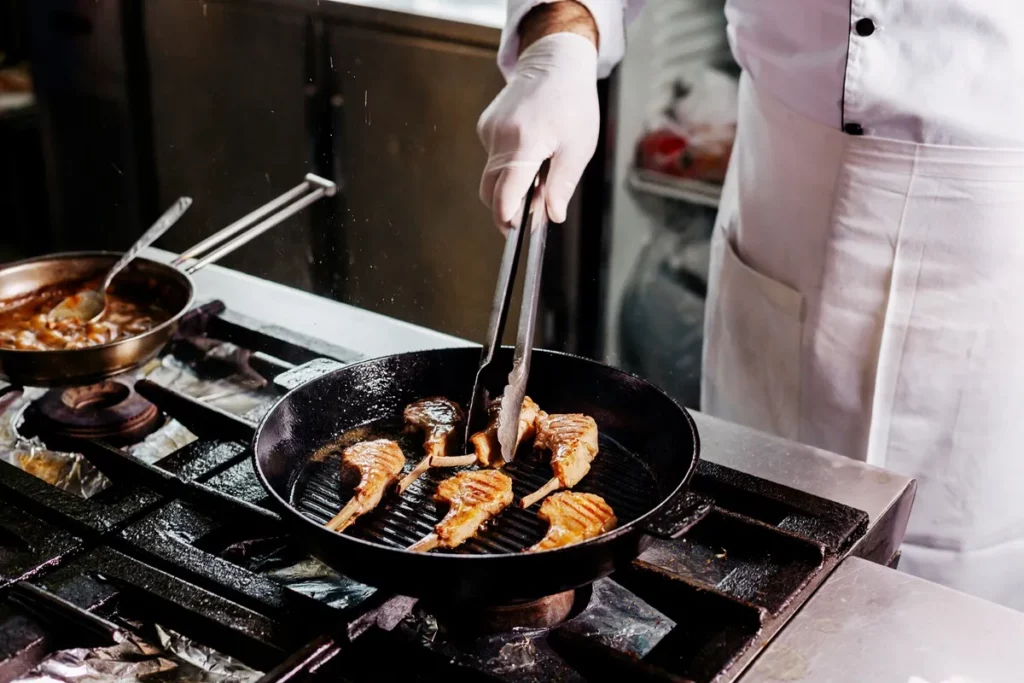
(604, 22)
(567, 16)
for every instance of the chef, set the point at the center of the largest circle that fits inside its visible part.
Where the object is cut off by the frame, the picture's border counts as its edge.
(866, 293)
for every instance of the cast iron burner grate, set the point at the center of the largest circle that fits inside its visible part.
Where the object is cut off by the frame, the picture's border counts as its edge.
(192, 542)
(109, 410)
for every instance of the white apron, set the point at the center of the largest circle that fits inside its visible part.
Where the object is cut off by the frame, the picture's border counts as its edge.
(867, 297)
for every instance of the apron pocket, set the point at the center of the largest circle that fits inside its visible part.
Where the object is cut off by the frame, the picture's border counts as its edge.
(752, 351)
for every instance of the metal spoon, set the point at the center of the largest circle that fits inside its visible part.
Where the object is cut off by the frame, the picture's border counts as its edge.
(89, 304)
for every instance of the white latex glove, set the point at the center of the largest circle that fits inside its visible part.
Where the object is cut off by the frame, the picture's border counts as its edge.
(548, 109)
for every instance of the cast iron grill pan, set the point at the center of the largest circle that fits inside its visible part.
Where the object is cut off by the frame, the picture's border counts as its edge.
(648, 451)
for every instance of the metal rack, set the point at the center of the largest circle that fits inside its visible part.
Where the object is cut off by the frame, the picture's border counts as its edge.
(695, 192)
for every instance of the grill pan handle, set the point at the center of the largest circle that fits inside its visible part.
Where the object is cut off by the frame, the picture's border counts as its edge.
(321, 187)
(679, 515)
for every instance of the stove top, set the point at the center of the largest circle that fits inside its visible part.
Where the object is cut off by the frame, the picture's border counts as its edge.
(178, 554)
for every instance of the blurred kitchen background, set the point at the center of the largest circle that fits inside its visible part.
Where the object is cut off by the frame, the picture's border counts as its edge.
(111, 109)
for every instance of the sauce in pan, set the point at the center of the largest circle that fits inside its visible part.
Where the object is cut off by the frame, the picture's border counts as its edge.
(24, 325)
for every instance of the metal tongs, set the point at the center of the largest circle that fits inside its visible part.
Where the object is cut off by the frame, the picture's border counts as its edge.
(534, 221)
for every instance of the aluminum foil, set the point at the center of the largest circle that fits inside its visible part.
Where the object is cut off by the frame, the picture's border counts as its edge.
(237, 394)
(520, 655)
(315, 579)
(68, 471)
(176, 658)
(614, 616)
(621, 620)
(280, 560)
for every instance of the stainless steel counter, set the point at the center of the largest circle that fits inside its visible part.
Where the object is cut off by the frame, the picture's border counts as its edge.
(885, 496)
(868, 623)
(809, 469)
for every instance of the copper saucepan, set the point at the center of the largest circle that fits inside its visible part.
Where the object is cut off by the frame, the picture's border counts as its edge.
(144, 280)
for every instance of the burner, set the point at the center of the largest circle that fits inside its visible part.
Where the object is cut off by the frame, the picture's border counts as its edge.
(546, 612)
(110, 411)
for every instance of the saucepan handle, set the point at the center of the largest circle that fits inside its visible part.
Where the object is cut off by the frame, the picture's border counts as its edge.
(217, 245)
(679, 515)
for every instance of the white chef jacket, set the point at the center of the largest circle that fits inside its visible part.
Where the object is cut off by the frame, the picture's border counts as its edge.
(946, 72)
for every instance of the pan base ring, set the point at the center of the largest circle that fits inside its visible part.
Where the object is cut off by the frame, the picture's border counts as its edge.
(542, 613)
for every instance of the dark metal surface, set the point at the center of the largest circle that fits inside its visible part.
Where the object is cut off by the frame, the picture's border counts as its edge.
(831, 524)
(109, 410)
(202, 420)
(111, 582)
(29, 545)
(600, 662)
(305, 660)
(126, 470)
(746, 568)
(641, 421)
(212, 320)
(104, 512)
(276, 341)
(61, 613)
(196, 549)
(24, 644)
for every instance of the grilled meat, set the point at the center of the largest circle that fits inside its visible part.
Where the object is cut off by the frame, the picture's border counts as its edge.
(473, 497)
(437, 418)
(373, 466)
(485, 443)
(573, 517)
(572, 440)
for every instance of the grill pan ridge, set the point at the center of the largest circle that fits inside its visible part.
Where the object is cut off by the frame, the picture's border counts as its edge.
(616, 475)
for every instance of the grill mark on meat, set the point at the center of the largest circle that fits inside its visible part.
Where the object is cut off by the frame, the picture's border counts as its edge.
(572, 440)
(374, 466)
(573, 517)
(474, 497)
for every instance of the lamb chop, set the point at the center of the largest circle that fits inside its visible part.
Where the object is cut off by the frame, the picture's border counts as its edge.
(374, 465)
(572, 440)
(437, 417)
(474, 497)
(485, 443)
(574, 517)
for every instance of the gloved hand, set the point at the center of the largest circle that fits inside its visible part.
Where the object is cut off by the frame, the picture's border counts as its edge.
(548, 109)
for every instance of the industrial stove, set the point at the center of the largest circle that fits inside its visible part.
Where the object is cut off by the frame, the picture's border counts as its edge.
(136, 541)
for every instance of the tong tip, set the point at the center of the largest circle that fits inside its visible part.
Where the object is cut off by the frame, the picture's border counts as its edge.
(508, 422)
